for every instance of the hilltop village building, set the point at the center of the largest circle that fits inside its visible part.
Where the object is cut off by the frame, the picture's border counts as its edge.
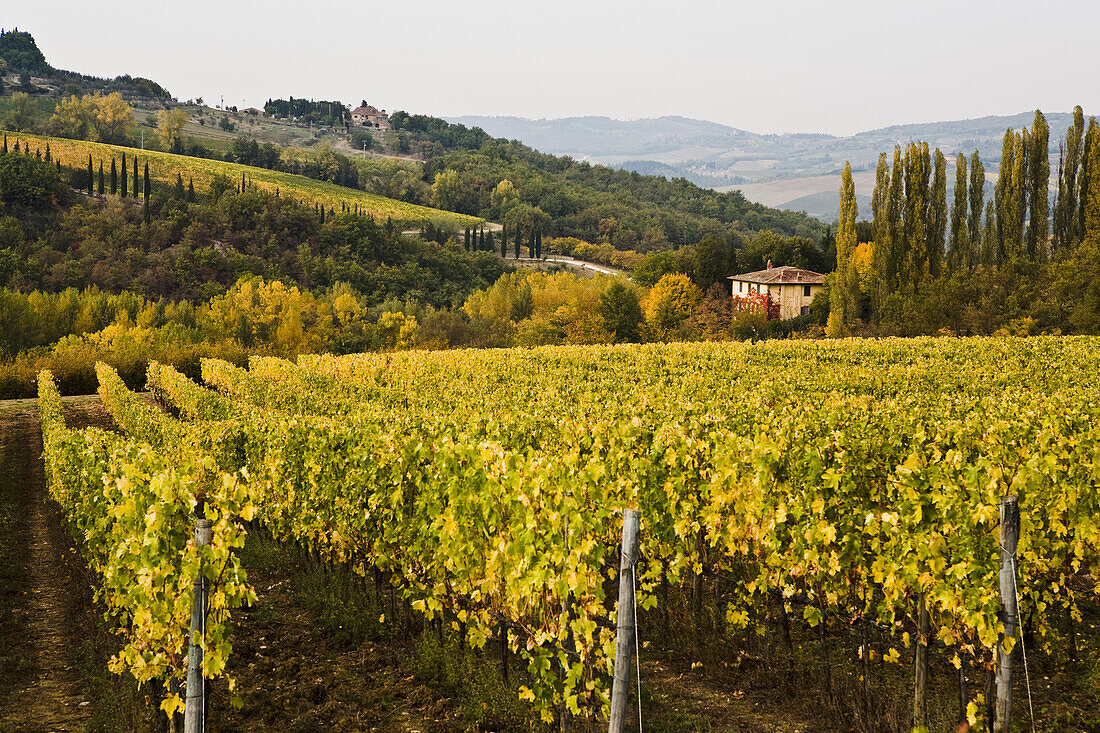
(793, 288)
(370, 116)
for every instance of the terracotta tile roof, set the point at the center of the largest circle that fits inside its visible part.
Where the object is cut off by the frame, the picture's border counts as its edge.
(784, 275)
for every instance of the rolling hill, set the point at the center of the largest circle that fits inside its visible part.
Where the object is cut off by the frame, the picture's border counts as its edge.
(164, 167)
(797, 172)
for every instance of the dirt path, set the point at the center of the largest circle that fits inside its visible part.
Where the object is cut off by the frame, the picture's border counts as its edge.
(42, 689)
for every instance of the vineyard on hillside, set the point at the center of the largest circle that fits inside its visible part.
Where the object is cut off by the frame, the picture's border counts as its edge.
(164, 168)
(842, 485)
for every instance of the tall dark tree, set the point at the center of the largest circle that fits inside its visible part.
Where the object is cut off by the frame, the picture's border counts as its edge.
(481, 241)
(1090, 185)
(5, 143)
(714, 261)
(490, 245)
(91, 177)
(977, 204)
(504, 241)
(48, 158)
(1002, 195)
(538, 244)
(466, 244)
(191, 190)
(620, 311)
(100, 187)
(1038, 183)
(145, 192)
(914, 261)
(958, 256)
(136, 180)
(123, 188)
(518, 242)
(180, 191)
(114, 177)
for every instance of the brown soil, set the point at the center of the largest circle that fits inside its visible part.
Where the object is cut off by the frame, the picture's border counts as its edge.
(42, 690)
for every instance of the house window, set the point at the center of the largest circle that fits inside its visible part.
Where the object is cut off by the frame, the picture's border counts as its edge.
(740, 287)
(806, 290)
(805, 310)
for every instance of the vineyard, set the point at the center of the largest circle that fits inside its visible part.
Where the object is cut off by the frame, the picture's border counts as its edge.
(844, 488)
(164, 168)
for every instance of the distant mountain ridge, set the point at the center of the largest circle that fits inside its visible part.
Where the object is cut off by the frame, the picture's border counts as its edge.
(788, 171)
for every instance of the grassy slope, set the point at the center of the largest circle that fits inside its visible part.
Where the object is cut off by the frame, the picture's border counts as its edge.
(163, 168)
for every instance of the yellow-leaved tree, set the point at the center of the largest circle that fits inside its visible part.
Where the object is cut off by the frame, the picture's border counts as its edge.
(669, 304)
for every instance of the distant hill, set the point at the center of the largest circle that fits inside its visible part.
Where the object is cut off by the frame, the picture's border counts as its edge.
(798, 172)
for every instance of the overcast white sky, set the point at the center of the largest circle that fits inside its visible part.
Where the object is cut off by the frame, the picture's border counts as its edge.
(795, 66)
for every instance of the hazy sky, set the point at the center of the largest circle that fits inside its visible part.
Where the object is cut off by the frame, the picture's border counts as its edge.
(795, 66)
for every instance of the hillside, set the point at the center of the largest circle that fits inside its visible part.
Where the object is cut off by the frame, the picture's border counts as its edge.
(164, 168)
(794, 172)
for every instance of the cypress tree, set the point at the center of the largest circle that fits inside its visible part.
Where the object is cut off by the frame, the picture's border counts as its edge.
(145, 193)
(1038, 171)
(58, 162)
(191, 189)
(5, 144)
(91, 177)
(490, 245)
(518, 241)
(531, 244)
(122, 189)
(38, 153)
(842, 296)
(481, 241)
(467, 240)
(959, 253)
(538, 245)
(136, 194)
(242, 181)
(114, 177)
(26, 148)
(322, 214)
(977, 204)
(937, 218)
(180, 192)
(48, 158)
(100, 191)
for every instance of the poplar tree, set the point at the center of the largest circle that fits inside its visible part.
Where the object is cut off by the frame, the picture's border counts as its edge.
(1090, 187)
(977, 204)
(122, 189)
(937, 215)
(880, 204)
(895, 212)
(1084, 177)
(1016, 203)
(991, 240)
(1002, 194)
(1038, 172)
(914, 263)
(959, 253)
(1067, 224)
(842, 301)
(114, 177)
(100, 188)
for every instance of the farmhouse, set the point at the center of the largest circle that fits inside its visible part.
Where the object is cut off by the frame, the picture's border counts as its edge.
(370, 116)
(792, 288)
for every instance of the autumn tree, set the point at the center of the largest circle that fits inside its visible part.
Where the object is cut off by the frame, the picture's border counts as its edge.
(670, 302)
(170, 124)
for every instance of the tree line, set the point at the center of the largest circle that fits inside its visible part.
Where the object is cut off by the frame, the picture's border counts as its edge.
(917, 239)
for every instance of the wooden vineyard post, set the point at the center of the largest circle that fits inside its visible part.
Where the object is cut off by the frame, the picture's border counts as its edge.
(195, 709)
(920, 706)
(1010, 535)
(625, 633)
